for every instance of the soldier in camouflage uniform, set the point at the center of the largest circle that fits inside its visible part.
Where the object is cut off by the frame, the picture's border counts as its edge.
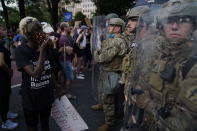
(169, 78)
(99, 106)
(110, 57)
(129, 35)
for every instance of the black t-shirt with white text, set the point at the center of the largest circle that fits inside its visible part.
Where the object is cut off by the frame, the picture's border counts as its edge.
(37, 93)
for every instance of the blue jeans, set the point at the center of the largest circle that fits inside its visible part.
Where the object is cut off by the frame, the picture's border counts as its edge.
(67, 68)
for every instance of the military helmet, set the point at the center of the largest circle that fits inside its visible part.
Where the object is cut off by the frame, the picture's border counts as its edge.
(137, 11)
(111, 15)
(117, 21)
(177, 8)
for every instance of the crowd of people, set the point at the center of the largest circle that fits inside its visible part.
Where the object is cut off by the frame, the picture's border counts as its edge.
(147, 68)
(47, 58)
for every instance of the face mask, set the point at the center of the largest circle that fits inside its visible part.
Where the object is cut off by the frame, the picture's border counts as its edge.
(40, 37)
(110, 36)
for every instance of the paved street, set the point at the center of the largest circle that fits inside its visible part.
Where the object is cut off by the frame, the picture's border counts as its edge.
(80, 88)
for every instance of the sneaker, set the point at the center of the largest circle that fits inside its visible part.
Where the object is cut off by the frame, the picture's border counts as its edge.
(9, 125)
(71, 97)
(80, 77)
(12, 115)
(104, 127)
(97, 107)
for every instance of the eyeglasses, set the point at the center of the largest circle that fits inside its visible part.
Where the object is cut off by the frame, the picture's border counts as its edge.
(179, 19)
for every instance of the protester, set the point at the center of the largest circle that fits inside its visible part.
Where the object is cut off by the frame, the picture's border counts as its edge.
(81, 45)
(5, 89)
(88, 54)
(18, 40)
(35, 62)
(58, 30)
(66, 44)
(47, 28)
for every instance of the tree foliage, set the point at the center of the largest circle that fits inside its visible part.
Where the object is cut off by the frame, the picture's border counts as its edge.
(79, 16)
(5, 13)
(112, 6)
(36, 9)
(13, 17)
(9, 1)
(53, 9)
(38, 12)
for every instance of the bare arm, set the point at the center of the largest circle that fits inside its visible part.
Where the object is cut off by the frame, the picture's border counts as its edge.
(79, 38)
(37, 71)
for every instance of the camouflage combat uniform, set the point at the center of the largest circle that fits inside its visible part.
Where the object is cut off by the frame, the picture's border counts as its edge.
(171, 95)
(110, 58)
(127, 65)
(127, 60)
(169, 82)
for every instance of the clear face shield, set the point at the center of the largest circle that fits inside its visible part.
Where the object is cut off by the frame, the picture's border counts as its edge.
(97, 38)
(146, 32)
(177, 22)
(132, 25)
(178, 29)
(164, 42)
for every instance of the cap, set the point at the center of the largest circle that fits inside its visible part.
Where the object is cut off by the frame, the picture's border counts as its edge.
(47, 28)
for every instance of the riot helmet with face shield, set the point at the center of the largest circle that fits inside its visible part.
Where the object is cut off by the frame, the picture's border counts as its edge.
(177, 20)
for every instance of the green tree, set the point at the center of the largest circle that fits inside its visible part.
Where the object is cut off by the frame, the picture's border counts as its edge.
(53, 9)
(79, 16)
(14, 18)
(25, 8)
(109, 6)
(5, 14)
(41, 13)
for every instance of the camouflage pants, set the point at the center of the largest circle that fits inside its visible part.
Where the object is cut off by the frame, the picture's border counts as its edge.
(100, 88)
(109, 109)
(109, 84)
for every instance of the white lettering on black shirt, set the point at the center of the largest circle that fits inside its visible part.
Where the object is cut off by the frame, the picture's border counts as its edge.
(45, 76)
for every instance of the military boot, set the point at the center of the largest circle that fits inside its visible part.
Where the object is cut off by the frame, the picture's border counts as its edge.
(97, 107)
(104, 127)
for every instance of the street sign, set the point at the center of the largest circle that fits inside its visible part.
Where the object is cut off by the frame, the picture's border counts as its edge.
(68, 16)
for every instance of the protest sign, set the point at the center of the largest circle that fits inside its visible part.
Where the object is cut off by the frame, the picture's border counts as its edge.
(66, 116)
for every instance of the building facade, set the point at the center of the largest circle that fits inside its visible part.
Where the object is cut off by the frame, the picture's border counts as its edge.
(87, 7)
